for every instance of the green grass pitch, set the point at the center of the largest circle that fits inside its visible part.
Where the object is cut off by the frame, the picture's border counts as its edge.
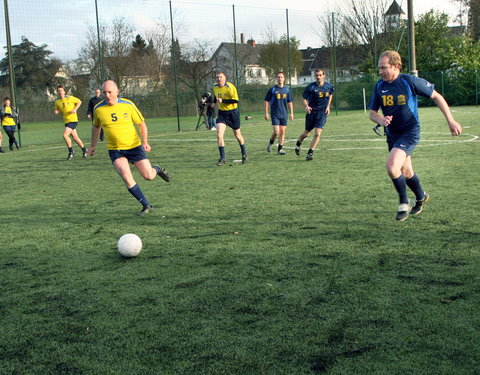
(278, 266)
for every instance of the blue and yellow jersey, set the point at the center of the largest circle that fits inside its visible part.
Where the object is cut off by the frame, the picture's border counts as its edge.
(278, 98)
(8, 121)
(65, 106)
(229, 91)
(399, 99)
(117, 122)
(318, 96)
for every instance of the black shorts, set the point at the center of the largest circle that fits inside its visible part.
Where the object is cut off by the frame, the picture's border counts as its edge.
(133, 155)
(230, 118)
(71, 125)
(316, 119)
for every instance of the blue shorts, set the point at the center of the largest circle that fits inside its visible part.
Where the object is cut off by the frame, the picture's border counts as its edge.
(71, 125)
(279, 121)
(11, 128)
(229, 118)
(406, 142)
(316, 119)
(133, 155)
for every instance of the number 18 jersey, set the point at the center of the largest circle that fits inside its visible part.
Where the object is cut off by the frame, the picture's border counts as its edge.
(399, 100)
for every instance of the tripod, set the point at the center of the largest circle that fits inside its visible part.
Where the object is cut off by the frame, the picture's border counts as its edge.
(202, 120)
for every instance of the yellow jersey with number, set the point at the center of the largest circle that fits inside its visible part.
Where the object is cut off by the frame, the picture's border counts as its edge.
(229, 91)
(118, 122)
(65, 106)
(8, 121)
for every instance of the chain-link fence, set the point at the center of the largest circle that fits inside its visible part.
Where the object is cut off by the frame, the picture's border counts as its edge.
(164, 55)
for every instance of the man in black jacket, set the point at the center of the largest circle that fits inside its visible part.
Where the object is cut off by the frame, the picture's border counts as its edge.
(91, 105)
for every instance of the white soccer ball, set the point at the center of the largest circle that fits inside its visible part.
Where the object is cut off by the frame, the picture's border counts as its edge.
(129, 245)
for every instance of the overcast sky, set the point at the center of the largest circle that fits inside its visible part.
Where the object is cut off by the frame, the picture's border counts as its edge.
(62, 26)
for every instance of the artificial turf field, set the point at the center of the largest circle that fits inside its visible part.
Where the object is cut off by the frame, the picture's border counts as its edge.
(278, 266)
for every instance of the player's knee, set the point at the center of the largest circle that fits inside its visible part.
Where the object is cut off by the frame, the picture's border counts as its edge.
(392, 171)
(408, 173)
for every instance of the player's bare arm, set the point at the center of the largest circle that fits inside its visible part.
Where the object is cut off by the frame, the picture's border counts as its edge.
(380, 120)
(266, 111)
(74, 110)
(144, 134)
(327, 110)
(93, 142)
(455, 127)
(308, 109)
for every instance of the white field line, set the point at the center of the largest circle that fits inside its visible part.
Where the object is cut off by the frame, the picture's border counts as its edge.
(350, 138)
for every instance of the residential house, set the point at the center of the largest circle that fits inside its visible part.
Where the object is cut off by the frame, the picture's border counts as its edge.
(347, 61)
(246, 62)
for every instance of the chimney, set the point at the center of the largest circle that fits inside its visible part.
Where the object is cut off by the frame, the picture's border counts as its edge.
(242, 38)
(252, 42)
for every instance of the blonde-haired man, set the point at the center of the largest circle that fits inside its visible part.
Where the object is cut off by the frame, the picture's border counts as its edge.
(396, 95)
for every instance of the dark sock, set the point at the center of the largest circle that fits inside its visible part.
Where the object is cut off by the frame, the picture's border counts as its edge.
(280, 147)
(221, 149)
(138, 194)
(70, 149)
(310, 151)
(244, 150)
(84, 149)
(414, 185)
(401, 187)
(272, 140)
(299, 143)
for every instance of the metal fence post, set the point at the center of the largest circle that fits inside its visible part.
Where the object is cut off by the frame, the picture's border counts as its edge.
(11, 71)
(288, 52)
(235, 47)
(334, 61)
(174, 61)
(100, 52)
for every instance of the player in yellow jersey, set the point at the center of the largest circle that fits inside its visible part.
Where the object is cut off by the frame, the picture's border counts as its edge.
(228, 115)
(117, 116)
(9, 118)
(68, 106)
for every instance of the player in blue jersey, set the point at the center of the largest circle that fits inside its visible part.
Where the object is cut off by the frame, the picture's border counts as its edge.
(396, 95)
(317, 98)
(280, 102)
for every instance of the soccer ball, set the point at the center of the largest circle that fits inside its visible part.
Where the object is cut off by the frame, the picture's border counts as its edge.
(129, 245)
(248, 117)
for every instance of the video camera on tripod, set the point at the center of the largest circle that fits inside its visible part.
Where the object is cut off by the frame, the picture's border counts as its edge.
(207, 111)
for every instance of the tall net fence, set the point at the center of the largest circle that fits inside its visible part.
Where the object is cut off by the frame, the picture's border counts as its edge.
(164, 55)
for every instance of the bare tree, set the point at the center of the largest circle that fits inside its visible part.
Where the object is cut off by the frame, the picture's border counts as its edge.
(160, 38)
(363, 24)
(88, 61)
(115, 42)
(194, 68)
(118, 65)
(331, 29)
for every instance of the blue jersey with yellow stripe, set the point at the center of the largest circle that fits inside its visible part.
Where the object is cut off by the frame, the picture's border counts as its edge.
(278, 98)
(318, 96)
(399, 100)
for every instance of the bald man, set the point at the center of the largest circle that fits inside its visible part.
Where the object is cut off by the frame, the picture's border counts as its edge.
(117, 116)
